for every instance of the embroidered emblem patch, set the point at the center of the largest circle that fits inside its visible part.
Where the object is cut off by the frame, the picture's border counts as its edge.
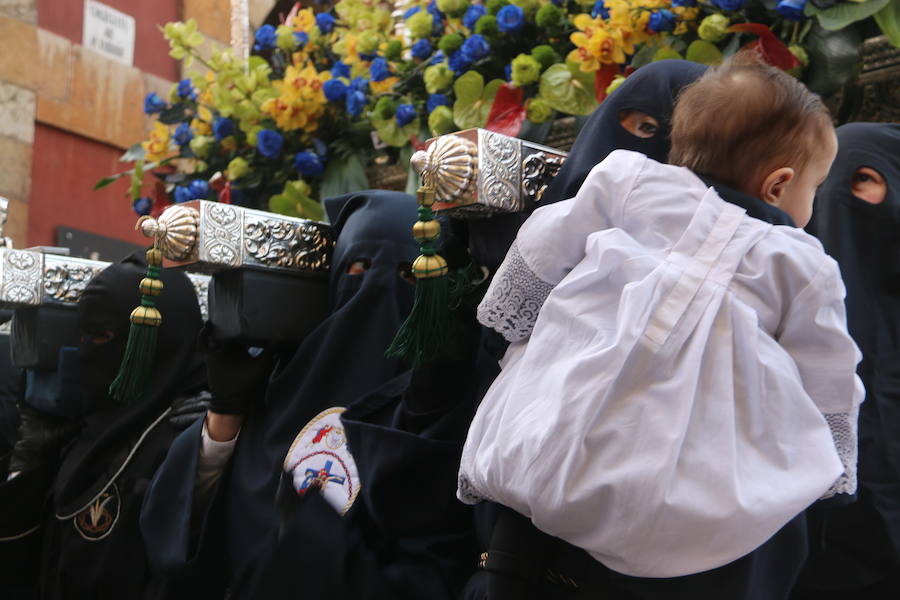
(320, 459)
(97, 520)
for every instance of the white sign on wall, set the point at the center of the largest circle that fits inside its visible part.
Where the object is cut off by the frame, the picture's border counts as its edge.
(108, 31)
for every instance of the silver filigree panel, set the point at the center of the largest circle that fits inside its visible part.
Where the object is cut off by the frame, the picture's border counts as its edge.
(286, 244)
(65, 282)
(201, 287)
(220, 241)
(20, 282)
(499, 171)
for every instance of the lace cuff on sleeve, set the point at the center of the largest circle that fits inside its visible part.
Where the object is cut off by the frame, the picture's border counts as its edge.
(513, 300)
(844, 432)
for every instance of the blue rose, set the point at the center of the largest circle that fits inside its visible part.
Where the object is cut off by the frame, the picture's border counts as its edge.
(411, 12)
(153, 103)
(475, 48)
(684, 3)
(379, 69)
(661, 20)
(301, 37)
(359, 84)
(308, 164)
(325, 22)
(370, 56)
(421, 49)
(335, 90)
(182, 193)
(792, 10)
(435, 100)
(405, 114)
(265, 38)
(507, 71)
(269, 142)
(601, 11)
(186, 89)
(356, 102)
(199, 189)
(510, 18)
(183, 134)
(222, 128)
(729, 4)
(340, 69)
(437, 58)
(458, 62)
(142, 206)
(320, 148)
(473, 13)
(437, 20)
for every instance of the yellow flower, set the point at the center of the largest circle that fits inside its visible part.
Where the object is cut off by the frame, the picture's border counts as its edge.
(201, 127)
(157, 146)
(346, 48)
(687, 13)
(381, 87)
(301, 100)
(304, 20)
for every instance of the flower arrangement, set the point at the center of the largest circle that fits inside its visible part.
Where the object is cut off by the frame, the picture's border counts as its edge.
(328, 92)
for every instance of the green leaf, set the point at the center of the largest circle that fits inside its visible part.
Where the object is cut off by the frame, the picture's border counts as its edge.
(834, 59)
(666, 52)
(703, 52)
(343, 175)
(888, 19)
(568, 89)
(134, 153)
(468, 87)
(106, 181)
(843, 14)
(391, 133)
(310, 209)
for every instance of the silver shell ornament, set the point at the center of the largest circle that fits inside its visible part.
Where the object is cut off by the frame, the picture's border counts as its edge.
(175, 231)
(449, 164)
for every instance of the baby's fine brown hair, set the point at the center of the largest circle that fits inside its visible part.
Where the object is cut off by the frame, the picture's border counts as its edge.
(743, 119)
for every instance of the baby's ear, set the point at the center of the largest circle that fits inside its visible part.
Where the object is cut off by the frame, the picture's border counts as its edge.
(775, 184)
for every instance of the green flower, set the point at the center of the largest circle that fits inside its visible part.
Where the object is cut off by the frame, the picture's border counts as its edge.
(525, 70)
(538, 111)
(285, 39)
(296, 201)
(494, 6)
(237, 168)
(487, 26)
(440, 121)
(368, 42)
(384, 108)
(394, 50)
(528, 6)
(438, 78)
(545, 55)
(474, 99)
(453, 7)
(201, 145)
(713, 28)
(800, 52)
(550, 16)
(420, 24)
(614, 84)
(450, 43)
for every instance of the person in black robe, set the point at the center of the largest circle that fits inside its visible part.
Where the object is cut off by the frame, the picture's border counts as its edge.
(522, 562)
(855, 549)
(402, 534)
(10, 389)
(91, 544)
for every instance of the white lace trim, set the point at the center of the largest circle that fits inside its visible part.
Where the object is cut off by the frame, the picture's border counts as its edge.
(466, 492)
(514, 299)
(844, 433)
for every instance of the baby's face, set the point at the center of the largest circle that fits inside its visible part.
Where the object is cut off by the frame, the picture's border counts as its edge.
(798, 197)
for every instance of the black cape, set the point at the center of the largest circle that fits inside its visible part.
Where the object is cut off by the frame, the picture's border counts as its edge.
(385, 545)
(91, 541)
(859, 545)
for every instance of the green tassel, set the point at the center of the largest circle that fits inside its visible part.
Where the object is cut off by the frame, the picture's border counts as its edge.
(137, 364)
(422, 336)
(131, 382)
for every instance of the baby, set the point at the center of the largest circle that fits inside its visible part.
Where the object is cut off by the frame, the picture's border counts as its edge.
(682, 383)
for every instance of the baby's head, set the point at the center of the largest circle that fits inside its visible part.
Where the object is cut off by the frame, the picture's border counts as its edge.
(755, 128)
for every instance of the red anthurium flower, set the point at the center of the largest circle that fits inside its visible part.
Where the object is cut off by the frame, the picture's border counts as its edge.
(602, 78)
(770, 48)
(507, 112)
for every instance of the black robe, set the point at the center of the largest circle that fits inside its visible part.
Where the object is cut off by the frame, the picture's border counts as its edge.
(855, 549)
(85, 506)
(404, 535)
